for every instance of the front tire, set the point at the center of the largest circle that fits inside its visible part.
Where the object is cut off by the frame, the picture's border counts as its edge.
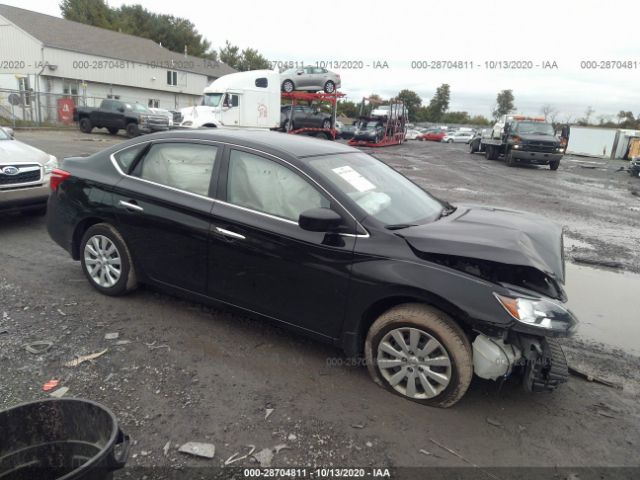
(419, 353)
(133, 130)
(113, 131)
(326, 125)
(554, 165)
(106, 260)
(288, 86)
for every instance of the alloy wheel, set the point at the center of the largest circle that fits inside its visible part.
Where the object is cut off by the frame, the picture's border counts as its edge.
(414, 363)
(102, 260)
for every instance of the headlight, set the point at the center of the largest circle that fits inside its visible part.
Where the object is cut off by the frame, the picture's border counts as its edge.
(560, 150)
(50, 164)
(539, 313)
(516, 145)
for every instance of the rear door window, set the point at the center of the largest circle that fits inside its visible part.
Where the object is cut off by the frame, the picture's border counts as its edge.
(184, 166)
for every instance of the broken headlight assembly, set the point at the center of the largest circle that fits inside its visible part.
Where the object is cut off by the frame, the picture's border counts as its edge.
(539, 313)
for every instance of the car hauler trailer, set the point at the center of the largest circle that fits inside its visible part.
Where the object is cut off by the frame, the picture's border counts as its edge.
(522, 139)
(393, 120)
(318, 98)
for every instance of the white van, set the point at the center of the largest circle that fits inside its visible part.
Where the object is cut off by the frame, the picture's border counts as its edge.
(243, 99)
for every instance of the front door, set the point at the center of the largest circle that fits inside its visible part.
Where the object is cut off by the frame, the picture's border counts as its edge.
(164, 209)
(261, 260)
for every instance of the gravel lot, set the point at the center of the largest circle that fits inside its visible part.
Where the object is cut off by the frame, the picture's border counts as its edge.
(192, 373)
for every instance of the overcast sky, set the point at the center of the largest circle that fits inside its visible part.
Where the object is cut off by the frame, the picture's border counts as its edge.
(566, 32)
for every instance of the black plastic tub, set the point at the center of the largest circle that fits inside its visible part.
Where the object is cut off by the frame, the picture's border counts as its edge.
(60, 439)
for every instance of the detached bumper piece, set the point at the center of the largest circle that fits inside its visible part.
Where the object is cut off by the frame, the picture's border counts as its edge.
(547, 368)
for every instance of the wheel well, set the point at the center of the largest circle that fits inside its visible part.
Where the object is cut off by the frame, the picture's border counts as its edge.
(81, 228)
(132, 120)
(210, 125)
(378, 308)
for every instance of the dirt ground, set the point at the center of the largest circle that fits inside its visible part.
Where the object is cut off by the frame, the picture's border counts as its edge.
(182, 372)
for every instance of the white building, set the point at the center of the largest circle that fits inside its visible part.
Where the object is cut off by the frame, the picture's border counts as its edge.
(64, 59)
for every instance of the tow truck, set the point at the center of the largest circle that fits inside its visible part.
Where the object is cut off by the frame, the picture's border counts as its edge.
(522, 139)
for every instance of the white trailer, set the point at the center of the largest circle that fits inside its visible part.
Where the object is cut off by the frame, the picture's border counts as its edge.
(243, 99)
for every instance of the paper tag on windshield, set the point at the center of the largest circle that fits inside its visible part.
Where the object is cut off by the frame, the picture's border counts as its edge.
(354, 179)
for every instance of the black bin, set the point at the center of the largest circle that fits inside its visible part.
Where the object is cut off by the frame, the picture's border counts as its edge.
(60, 439)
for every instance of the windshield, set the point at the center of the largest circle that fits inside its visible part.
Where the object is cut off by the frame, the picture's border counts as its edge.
(534, 128)
(370, 126)
(4, 135)
(211, 99)
(138, 108)
(377, 189)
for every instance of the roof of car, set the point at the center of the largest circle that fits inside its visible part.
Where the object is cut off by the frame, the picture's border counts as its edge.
(299, 146)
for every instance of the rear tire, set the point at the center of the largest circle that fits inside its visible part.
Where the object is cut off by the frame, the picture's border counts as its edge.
(326, 124)
(106, 260)
(438, 360)
(329, 87)
(472, 149)
(85, 125)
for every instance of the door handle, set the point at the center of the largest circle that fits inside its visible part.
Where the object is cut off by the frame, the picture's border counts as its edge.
(230, 234)
(131, 206)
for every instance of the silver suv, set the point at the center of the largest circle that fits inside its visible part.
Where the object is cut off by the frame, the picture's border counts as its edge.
(24, 175)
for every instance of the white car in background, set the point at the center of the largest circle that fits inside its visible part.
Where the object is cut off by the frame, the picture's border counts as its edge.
(412, 134)
(25, 172)
(164, 112)
(458, 137)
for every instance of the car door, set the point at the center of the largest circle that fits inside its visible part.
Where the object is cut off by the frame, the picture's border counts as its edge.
(163, 208)
(261, 260)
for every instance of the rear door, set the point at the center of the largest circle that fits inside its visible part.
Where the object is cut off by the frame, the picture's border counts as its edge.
(261, 260)
(164, 209)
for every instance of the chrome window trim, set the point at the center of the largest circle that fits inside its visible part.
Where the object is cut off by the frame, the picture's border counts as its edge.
(213, 200)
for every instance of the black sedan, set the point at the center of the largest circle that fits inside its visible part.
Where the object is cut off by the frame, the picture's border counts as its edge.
(303, 117)
(369, 131)
(328, 241)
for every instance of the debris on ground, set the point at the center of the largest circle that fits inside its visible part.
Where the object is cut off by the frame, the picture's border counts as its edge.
(198, 449)
(265, 456)
(592, 378)
(51, 384)
(424, 452)
(61, 313)
(369, 444)
(292, 437)
(122, 342)
(38, 347)
(494, 422)
(456, 454)
(268, 412)
(166, 448)
(357, 425)
(59, 393)
(85, 358)
(235, 458)
(111, 336)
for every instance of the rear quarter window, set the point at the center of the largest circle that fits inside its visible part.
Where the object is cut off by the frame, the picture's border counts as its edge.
(124, 158)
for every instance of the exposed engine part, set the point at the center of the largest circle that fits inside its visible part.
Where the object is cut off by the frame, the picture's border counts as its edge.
(546, 366)
(501, 273)
(492, 358)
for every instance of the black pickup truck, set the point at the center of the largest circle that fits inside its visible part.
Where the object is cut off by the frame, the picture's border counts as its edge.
(115, 115)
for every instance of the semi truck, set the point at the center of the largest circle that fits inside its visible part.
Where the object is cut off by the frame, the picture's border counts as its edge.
(522, 139)
(243, 99)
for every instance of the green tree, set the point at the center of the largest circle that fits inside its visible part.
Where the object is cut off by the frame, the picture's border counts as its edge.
(230, 54)
(347, 108)
(252, 60)
(90, 12)
(439, 103)
(412, 101)
(173, 33)
(455, 117)
(504, 104)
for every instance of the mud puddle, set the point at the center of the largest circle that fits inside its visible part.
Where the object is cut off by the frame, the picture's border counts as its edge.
(606, 303)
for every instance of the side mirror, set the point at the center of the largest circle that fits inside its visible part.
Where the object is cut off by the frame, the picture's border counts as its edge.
(300, 72)
(319, 220)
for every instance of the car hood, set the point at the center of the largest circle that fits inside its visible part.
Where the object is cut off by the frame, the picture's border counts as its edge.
(16, 151)
(539, 138)
(497, 235)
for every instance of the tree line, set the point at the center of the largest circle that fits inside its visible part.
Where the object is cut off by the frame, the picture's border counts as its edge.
(436, 111)
(173, 33)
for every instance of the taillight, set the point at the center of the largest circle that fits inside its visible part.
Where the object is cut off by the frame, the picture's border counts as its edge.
(57, 177)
